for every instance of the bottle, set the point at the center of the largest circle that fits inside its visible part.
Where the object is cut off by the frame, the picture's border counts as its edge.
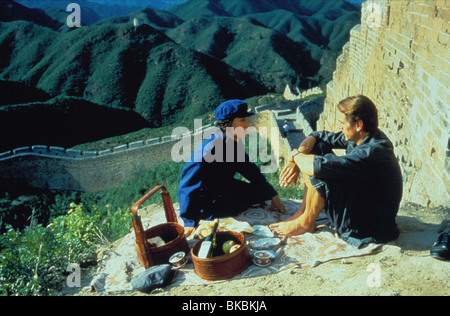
(209, 244)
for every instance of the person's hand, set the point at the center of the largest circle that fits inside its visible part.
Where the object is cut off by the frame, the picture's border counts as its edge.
(188, 231)
(289, 174)
(277, 204)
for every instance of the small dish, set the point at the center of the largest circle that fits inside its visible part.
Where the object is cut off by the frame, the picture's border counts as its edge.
(263, 258)
(259, 263)
(262, 231)
(178, 260)
(271, 253)
(266, 243)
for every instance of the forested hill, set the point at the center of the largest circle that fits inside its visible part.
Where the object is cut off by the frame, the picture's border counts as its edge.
(321, 26)
(120, 66)
(178, 64)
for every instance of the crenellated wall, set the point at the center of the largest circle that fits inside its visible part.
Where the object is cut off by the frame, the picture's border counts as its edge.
(400, 58)
(66, 169)
(57, 168)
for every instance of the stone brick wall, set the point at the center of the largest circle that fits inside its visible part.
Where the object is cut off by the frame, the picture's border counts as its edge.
(400, 58)
(66, 169)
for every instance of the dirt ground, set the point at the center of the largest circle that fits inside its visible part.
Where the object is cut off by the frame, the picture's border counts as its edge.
(406, 270)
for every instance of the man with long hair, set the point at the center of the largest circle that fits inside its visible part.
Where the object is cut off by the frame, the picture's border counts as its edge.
(360, 191)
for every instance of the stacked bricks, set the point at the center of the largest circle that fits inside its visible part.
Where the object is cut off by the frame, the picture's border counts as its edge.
(400, 58)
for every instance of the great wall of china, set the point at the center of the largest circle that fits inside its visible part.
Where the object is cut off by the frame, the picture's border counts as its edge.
(57, 168)
(400, 58)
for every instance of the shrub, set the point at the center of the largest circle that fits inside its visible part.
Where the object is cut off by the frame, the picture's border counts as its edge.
(34, 260)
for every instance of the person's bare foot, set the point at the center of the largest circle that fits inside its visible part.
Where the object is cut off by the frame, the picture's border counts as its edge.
(292, 228)
(297, 214)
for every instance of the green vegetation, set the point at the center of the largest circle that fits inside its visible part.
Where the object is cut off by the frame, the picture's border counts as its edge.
(321, 27)
(64, 122)
(118, 66)
(249, 46)
(11, 11)
(66, 228)
(33, 260)
(143, 134)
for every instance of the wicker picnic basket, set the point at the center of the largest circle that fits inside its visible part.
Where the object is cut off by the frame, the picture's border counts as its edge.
(225, 266)
(171, 232)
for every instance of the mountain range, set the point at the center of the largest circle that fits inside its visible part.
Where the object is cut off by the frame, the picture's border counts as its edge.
(180, 62)
(122, 67)
(321, 26)
(247, 45)
(103, 8)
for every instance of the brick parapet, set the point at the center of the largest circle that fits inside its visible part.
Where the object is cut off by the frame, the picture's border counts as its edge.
(399, 57)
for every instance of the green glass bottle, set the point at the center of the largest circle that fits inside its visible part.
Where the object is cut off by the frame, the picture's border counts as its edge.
(209, 245)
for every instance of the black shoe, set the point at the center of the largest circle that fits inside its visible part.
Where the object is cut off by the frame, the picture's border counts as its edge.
(440, 249)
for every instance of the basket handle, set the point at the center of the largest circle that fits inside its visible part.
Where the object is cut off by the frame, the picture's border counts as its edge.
(137, 223)
(167, 202)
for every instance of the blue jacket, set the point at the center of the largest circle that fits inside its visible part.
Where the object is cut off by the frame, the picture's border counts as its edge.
(209, 176)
